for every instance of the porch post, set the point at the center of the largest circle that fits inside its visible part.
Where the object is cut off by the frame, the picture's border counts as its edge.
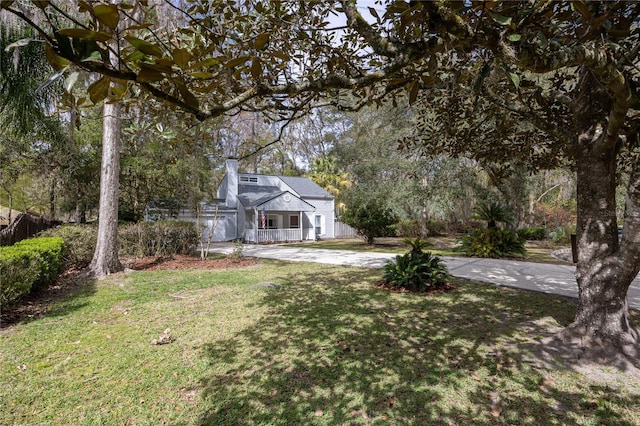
(300, 225)
(255, 220)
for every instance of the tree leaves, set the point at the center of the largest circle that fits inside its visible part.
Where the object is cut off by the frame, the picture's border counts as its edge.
(181, 57)
(107, 14)
(148, 73)
(414, 87)
(99, 90)
(234, 62)
(501, 19)
(85, 34)
(262, 40)
(144, 46)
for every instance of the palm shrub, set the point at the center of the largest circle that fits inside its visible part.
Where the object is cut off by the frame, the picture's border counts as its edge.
(416, 270)
(493, 213)
(494, 243)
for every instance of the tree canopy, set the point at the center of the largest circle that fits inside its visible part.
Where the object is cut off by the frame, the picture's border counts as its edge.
(531, 81)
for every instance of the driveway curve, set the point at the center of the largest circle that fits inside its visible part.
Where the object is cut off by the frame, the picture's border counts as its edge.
(541, 277)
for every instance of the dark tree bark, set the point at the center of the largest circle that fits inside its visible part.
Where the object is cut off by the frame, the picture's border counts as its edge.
(604, 272)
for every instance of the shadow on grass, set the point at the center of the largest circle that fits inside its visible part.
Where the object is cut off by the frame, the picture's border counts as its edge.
(332, 349)
(69, 293)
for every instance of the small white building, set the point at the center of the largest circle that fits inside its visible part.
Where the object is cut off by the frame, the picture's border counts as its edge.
(265, 208)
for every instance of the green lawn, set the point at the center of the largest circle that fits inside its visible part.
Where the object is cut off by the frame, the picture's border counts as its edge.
(537, 251)
(324, 346)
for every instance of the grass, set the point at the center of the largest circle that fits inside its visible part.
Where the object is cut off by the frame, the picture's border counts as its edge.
(322, 346)
(537, 251)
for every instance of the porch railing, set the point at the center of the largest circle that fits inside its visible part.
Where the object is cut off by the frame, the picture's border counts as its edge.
(277, 235)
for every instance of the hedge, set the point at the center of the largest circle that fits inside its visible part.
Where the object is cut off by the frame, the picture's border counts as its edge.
(532, 233)
(28, 265)
(164, 238)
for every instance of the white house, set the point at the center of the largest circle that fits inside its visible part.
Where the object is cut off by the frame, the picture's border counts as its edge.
(264, 208)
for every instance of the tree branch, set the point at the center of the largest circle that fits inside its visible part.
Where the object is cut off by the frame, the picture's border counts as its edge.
(381, 45)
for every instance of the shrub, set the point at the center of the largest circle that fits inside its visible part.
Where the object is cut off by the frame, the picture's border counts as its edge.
(562, 234)
(465, 227)
(532, 233)
(28, 265)
(163, 238)
(413, 228)
(238, 252)
(50, 254)
(370, 219)
(79, 242)
(408, 228)
(493, 243)
(493, 213)
(416, 270)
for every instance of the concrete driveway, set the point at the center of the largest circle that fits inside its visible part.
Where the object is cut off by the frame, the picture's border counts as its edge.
(542, 277)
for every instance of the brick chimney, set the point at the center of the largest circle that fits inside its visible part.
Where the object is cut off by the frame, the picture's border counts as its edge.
(231, 199)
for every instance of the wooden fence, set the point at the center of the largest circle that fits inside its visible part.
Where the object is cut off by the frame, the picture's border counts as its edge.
(25, 226)
(342, 230)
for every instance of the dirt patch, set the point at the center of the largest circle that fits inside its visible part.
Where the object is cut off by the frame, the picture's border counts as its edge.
(38, 303)
(555, 349)
(181, 262)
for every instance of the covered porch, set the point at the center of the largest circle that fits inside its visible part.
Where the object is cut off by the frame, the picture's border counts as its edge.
(280, 219)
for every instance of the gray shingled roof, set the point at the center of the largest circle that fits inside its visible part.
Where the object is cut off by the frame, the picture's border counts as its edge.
(252, 195)
(305, 187)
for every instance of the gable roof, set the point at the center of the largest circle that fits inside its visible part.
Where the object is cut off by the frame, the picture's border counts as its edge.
(253, 195)
(305, 187)
(286, 201)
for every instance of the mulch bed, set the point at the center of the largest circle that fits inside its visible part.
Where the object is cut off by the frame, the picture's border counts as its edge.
(178, 262)
(438, 290)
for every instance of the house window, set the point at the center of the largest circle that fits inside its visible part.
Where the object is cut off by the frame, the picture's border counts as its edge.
(318, 224)
(294, 221)
(250, 179)
(272, 221)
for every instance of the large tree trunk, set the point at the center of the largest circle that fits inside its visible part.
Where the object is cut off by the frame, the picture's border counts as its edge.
(605, 270)
(105, 258)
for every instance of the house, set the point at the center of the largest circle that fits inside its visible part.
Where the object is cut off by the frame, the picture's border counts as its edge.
(265, 208)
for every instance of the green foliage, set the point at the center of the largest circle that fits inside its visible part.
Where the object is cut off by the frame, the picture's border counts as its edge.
(562, 234)
(237, 254)
(416, 270)
(80, 243)
(493, 213)
(29, 264)
(162, 238)
(408, 228)
(49, 252)
(534, 233)
(493, 243)
(417, 244)
(370, 218)
(413, 228)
